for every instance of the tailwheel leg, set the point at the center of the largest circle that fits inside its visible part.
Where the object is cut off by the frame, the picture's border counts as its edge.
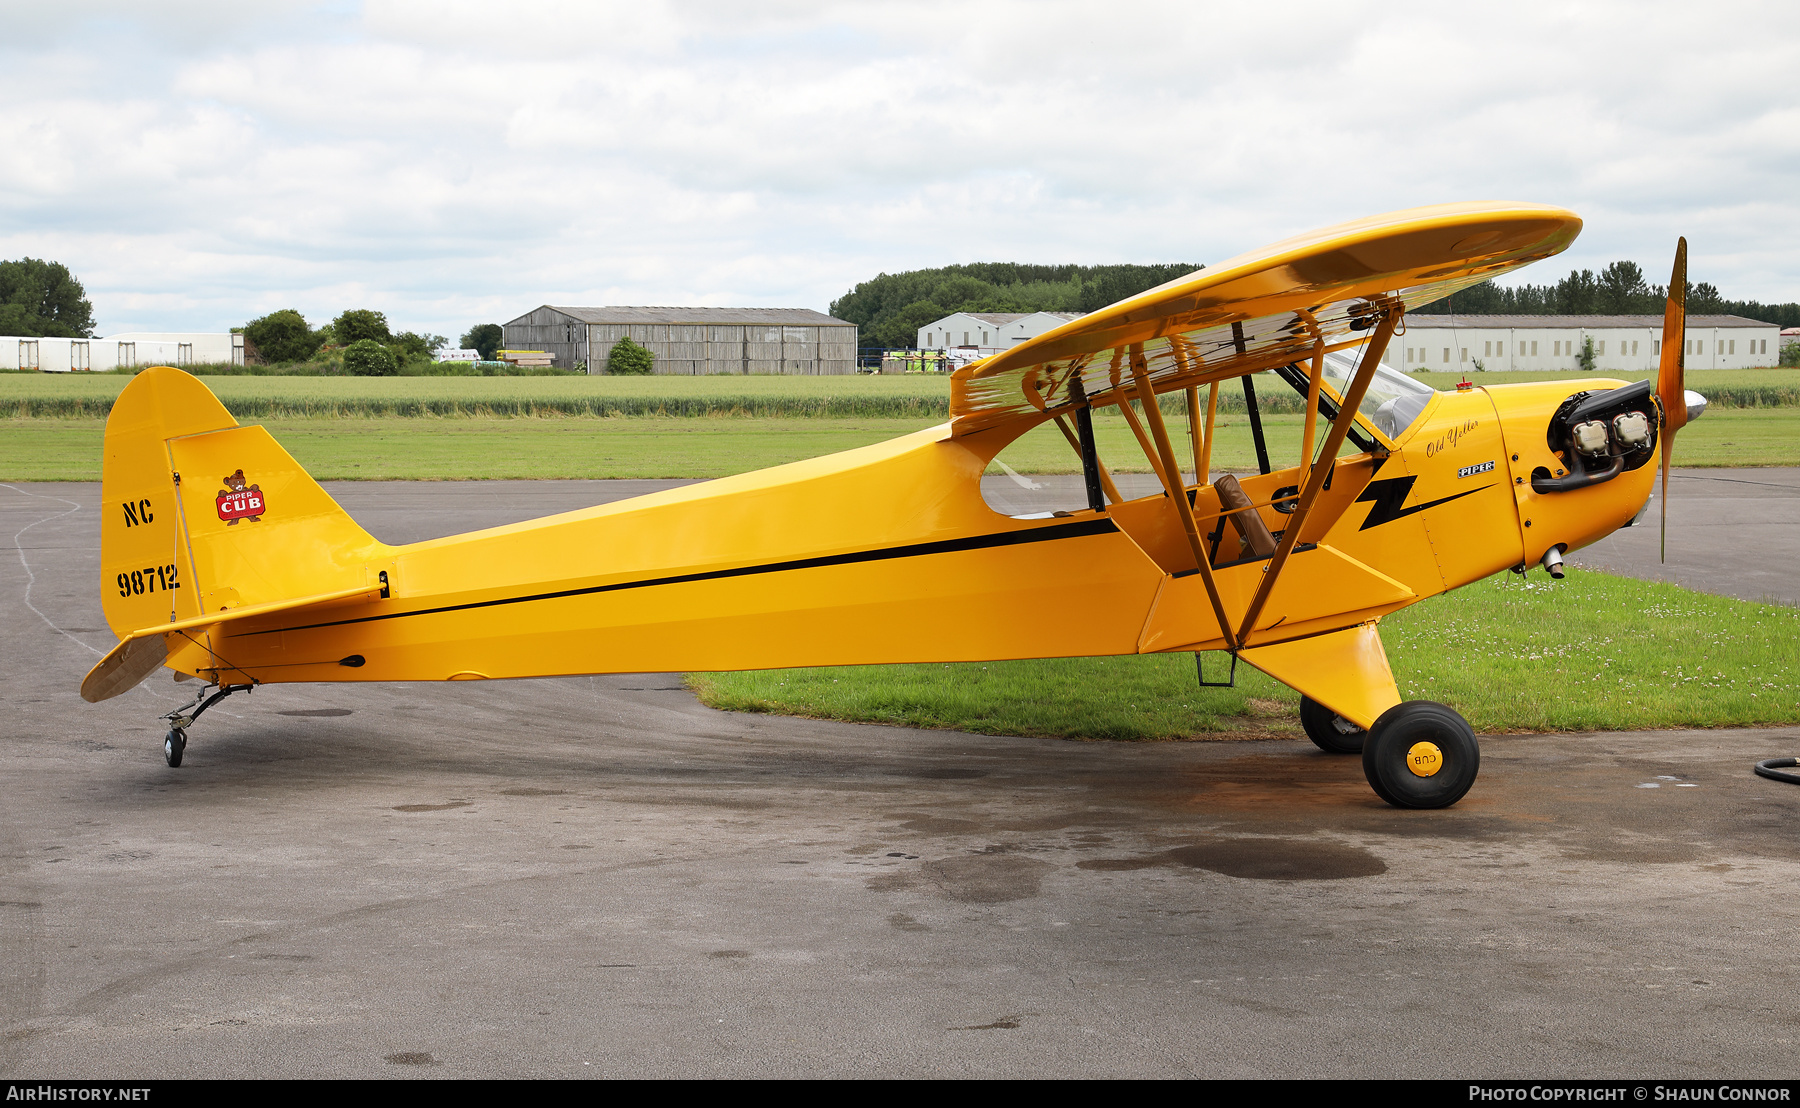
(1421, 754)
(175, 742)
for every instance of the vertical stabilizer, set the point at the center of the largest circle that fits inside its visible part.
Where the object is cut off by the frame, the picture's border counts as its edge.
(200, 515)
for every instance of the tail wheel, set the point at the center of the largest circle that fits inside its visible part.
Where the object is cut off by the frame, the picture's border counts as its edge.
(1421, 754)
(174, 743)
(1329, 731)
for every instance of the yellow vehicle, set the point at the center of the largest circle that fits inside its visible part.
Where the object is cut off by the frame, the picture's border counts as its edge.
(223, 560)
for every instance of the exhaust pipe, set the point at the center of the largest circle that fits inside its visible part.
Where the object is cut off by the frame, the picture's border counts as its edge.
(1553, 562)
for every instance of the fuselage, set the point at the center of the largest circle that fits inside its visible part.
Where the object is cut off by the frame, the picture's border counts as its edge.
(890, 554)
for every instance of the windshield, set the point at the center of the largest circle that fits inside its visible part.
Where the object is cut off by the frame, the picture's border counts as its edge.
(1393, 401)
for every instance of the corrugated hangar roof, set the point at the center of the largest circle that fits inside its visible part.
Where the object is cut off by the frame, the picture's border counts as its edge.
(796, 317)
(1591, 322)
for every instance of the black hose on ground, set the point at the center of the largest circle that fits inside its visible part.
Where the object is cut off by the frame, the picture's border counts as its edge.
(1771, 768)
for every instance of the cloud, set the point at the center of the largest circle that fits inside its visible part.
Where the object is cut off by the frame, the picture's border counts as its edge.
(456, 163)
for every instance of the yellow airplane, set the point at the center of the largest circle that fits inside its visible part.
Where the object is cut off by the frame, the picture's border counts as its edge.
(223, 560)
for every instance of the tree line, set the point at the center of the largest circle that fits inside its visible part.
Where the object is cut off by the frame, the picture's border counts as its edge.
(40, 299)
(889, 309)
(1618, 289)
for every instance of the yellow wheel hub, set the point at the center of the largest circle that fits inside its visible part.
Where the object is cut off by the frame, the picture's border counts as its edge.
(1424, 759)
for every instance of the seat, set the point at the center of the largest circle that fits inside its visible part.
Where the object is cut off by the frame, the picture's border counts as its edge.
(1254, 539)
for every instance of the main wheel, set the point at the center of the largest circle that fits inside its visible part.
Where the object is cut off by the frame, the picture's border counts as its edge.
(1329, 731)
(173, 744)
(1421, 754)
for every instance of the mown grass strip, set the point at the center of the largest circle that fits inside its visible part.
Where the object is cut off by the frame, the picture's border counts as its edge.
(1593, 652)
(478, 449)
(86, 396)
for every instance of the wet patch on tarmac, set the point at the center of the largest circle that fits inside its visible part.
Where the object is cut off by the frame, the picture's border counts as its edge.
(316, 713)
(938, 825)
(432, 807)
(940, 773)
(528, 791)
(1257, 859)
(411, 1058)
(987, 878)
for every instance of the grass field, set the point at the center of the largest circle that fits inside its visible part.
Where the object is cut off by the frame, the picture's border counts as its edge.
(69, 395)
(586, 447)
(1591, 652)
(892, 396)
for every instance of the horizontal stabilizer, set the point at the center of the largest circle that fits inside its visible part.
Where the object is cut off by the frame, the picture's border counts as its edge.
(142, 651)
(124, 668)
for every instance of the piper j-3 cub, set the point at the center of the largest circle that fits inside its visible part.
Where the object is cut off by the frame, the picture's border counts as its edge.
(223, 560)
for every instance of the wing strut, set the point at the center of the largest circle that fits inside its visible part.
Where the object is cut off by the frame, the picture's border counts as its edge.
(1307, 436)
(1315, 481)
(1250, 405)
(1173, 485)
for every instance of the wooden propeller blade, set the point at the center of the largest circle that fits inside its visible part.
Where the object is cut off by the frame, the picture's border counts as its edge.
(1671, 393)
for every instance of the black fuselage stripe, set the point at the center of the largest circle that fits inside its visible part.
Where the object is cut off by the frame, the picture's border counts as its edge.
(1101, 526)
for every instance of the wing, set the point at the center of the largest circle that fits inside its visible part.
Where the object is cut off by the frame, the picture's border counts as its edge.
(1267, 308)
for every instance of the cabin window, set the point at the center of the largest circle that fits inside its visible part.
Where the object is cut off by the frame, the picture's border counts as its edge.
(1465, 354)
(1394, 400)
(1600, 348)
(1634, 347)
(1446, 355)
(1733, 349)
(1656, 348)
(1534, 349)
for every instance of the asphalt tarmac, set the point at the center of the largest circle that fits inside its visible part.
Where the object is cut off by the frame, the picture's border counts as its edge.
(599, 877)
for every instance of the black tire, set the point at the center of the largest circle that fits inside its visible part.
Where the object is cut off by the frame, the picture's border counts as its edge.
(1327, 729)
(173, 744)
(1390, 745)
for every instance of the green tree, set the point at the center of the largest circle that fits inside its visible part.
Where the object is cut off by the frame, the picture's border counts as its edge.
(901, 329)
(1585, 359)
(1622, 289)
(628, 358)
(1704, 299)
(282, 336)
(43, 298)
(358, 324)
(874, 305)
(406, 345)
(368, 358)
(484, 337)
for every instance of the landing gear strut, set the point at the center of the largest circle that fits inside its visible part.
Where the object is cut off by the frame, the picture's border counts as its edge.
(182, 718)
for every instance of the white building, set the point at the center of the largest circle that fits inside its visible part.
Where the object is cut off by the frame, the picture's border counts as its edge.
(984, 334)
(129, 351)
(1622, 343)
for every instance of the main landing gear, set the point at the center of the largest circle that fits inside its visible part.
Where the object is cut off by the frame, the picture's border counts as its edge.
(182, 718)
(1419, 754)
(1329, 731)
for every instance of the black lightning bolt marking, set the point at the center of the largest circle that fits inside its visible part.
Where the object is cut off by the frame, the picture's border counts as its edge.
(1387, 496)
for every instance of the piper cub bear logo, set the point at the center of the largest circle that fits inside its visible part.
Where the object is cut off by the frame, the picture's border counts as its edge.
(240, 501)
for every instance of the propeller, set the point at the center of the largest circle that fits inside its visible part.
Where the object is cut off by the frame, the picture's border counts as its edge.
(1671, 396)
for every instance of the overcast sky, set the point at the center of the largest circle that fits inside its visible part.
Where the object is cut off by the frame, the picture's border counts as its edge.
(200, 163)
